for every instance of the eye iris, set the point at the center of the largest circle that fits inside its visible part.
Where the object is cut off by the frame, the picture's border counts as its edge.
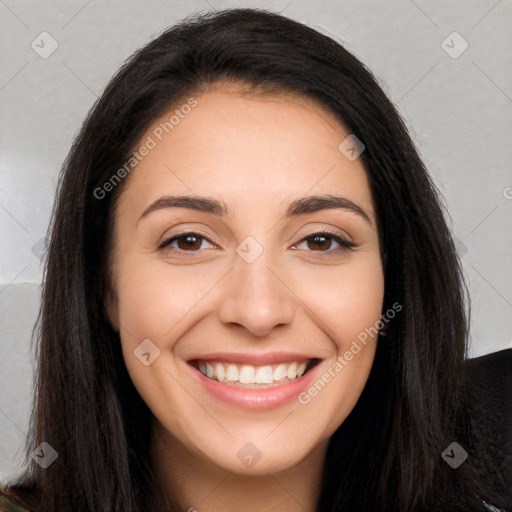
(320, 240)
(191, 242)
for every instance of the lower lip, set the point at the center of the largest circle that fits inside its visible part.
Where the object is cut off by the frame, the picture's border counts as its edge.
(256, 399)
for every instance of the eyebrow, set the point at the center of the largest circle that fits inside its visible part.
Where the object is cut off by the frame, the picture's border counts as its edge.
(309, 204)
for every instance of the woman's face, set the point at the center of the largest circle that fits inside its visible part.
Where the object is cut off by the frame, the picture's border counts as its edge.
(250, 296)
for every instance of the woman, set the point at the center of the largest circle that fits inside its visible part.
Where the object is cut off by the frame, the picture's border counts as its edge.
(252, 300)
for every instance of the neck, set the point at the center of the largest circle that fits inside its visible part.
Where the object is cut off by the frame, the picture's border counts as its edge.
(200, 485)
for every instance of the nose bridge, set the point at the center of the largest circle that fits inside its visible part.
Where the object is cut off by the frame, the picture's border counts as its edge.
(256, 297)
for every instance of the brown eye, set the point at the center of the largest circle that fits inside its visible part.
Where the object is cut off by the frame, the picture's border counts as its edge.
(319, 242)
(185, 242)
(323, 242)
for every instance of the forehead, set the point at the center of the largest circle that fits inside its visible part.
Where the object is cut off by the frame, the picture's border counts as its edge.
(251, 150)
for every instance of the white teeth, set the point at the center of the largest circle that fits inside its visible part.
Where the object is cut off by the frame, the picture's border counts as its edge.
(280, 372)
(301, 369)
(247, 375)
(291, 373)
(232, 373)
(264, 375)
(219, 371)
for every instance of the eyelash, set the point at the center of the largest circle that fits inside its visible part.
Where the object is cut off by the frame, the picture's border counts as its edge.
(343, 242)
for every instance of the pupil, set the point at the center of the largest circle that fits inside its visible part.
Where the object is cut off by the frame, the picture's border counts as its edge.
(317, 240)
(190, 241)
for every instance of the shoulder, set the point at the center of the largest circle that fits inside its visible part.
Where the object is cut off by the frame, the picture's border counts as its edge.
(502, 359)
(488, 383)
(9, 503)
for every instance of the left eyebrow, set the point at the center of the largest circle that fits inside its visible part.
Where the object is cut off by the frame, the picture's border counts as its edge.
(312, 204)
(309, 204)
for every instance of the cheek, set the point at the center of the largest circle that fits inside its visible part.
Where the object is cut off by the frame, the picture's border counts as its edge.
(345, 299)
(154, 298)
(350, 317)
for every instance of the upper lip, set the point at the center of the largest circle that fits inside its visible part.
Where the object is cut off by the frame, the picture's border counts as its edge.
(255, 359)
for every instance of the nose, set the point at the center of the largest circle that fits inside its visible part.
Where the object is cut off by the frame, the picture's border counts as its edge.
(257, 297)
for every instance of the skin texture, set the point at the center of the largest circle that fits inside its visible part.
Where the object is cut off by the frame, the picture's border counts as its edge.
(256, 153)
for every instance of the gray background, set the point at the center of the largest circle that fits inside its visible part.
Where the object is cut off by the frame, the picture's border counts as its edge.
(458, 109)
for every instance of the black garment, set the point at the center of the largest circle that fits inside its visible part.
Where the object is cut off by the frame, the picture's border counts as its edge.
(490, 388)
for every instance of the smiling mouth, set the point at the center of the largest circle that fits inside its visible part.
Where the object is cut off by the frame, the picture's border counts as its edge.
(254, 377)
